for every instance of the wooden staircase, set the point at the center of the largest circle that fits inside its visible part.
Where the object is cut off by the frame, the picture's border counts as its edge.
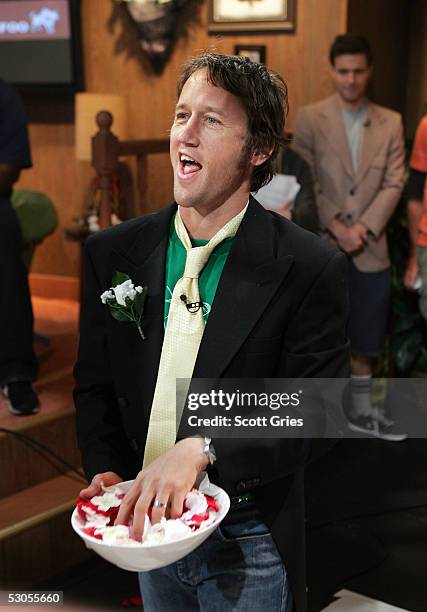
(37, 493)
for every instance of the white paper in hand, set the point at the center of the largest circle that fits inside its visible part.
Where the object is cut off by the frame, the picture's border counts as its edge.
(281, 190)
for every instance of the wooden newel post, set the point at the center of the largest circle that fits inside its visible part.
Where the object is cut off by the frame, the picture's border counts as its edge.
(105, 151)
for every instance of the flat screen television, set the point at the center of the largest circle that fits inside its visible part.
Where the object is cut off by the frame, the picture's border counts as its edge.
(40, 45)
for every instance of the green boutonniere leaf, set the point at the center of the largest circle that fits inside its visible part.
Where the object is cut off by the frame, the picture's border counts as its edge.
(119, 278)
(139, 301)
(119, 313)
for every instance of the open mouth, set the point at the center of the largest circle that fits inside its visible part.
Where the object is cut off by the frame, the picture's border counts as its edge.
(188, 165)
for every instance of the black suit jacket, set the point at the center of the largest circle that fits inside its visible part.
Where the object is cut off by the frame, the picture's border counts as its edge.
(279, 311)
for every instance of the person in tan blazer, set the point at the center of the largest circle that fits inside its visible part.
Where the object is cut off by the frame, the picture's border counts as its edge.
(356, 152)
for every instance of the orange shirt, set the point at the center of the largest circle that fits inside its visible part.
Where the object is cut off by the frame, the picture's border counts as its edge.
(419, 162)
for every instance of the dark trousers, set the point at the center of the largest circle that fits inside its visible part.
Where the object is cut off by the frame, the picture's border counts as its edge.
(17, 359)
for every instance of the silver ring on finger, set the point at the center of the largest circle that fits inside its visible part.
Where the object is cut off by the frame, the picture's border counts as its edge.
(158, 504)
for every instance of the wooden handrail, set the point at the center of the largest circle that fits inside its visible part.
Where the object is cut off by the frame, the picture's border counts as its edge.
(143, 147)
(106, 151)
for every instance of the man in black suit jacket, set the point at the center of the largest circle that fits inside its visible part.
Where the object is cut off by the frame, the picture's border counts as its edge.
(279, 311)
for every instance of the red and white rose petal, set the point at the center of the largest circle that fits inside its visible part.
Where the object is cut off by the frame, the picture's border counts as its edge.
(99, 515)
(101, 510)
(108, 500)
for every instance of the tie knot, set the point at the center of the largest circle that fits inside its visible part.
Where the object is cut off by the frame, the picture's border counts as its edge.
(197, 258)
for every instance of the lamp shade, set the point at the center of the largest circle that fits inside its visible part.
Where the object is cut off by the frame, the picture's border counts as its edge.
(88, 106)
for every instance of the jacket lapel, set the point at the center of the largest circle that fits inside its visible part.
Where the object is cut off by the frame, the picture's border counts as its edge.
(250, 279)
(333, 129)
(144, 261)
(372, 140)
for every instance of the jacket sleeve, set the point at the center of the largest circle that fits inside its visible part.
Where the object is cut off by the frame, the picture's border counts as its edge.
(377, 214)
(315, 346)
(100, 432)
(304, 145)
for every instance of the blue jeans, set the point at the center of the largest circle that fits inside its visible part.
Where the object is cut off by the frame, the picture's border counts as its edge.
(237, 568)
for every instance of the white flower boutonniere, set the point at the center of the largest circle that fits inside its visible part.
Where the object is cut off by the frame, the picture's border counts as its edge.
(125, 301)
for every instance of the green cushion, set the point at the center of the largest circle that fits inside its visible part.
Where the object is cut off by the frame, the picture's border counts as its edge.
(36, 214)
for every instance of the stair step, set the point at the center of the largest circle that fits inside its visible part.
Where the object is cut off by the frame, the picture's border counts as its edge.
(25, 465)
(37, 504)
(36, 538)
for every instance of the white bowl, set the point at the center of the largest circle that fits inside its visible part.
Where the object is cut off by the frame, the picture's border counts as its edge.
(146, 558)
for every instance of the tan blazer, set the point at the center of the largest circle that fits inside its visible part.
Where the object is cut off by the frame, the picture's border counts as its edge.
(369, 195)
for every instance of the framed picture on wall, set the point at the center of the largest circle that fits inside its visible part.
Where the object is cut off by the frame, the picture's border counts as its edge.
(254, 52)
(251, 15)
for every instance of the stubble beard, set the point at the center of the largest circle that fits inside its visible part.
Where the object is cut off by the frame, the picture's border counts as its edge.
(242, 167)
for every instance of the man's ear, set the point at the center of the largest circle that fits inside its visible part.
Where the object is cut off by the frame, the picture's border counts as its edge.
(259, 156)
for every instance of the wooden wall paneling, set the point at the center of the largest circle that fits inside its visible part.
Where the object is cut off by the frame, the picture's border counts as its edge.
(416, 93)
(301, 57)
(325, 21)
(143, 181)
(160, 182)
(390, 48)
(57, 173)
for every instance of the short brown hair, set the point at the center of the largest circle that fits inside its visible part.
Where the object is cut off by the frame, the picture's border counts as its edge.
(263, 94)
(350, 44)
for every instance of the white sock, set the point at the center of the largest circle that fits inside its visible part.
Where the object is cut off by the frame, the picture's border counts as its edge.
(361, 394)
